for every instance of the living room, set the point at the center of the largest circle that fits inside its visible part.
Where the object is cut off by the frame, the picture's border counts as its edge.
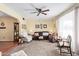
(60, 18)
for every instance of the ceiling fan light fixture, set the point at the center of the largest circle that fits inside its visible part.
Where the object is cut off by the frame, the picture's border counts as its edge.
(39, 10)
(23, 18)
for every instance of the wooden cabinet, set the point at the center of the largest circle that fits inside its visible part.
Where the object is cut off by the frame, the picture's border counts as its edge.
(16, 32)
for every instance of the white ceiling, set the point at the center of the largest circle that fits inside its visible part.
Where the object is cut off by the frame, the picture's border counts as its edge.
(55, 9)
(3, 14)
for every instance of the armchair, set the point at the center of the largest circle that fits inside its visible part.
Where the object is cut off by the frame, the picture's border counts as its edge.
(26, 37)
(66, 45)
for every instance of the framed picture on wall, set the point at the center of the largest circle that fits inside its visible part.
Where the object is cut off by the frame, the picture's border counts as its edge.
(41, 26)
(2, 25)
(23, 26)
(36, 25)
(44, 25)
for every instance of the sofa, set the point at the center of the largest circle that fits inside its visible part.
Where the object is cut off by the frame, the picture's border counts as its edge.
(41, 35)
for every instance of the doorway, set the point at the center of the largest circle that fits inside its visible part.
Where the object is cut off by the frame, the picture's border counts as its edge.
(7, 28)
(16, 32)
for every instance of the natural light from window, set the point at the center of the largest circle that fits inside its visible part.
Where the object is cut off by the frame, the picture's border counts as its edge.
(66, 26)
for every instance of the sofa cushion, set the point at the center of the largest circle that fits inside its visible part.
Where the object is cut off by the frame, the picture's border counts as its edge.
(36, 34)
(40, 37)
(45, 34)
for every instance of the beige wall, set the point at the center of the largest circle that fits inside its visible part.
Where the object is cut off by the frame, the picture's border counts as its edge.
(8, 33)
(50, 25)
(4, 8)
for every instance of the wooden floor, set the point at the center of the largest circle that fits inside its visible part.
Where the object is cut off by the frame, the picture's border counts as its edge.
(6, 45)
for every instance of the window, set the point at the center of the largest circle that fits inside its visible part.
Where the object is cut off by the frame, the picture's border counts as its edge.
(66, 25)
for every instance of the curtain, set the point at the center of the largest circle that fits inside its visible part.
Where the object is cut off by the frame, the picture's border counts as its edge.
(66, 26)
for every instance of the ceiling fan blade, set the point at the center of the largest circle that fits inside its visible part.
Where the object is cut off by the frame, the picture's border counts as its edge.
(44, 13)
(35, 7)
(38, 14)
(32, 5)
(34, 12)
(45, 10)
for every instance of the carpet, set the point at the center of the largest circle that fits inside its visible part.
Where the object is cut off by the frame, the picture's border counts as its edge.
(37, 48)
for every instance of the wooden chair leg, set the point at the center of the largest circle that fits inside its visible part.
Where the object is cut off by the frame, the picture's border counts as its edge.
(70, 51)
(60, 50)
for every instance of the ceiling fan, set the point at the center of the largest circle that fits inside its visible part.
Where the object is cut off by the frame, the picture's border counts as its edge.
(39, 10)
